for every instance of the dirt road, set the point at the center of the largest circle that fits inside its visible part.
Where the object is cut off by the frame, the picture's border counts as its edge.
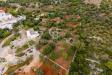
(2, 43)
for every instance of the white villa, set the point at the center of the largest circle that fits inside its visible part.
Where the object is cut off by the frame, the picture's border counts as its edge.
(7, 20)
(31, 34)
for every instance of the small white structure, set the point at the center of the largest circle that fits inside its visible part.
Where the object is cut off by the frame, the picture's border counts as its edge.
(7, 20)
(97, 38)
(31, 34)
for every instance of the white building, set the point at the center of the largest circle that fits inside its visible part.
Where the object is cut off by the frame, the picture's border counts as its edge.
(31, 34)
(7, 20)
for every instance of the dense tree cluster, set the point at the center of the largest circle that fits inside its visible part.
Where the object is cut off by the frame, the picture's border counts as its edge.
(94, 33)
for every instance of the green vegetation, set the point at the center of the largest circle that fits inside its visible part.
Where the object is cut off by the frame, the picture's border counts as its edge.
(46, 35)
(109, 65)
(93, 34)
(68, 34)
(71, 50)
(8, 41)
(39, 72)
(21, 1)
(4, 33)
(53, 55)
(90, 27)
(48, 49)
(20, 50)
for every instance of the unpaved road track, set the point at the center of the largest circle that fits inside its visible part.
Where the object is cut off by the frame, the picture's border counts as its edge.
(2, 43)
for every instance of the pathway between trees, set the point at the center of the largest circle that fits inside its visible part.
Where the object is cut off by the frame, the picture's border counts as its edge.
(2, 43)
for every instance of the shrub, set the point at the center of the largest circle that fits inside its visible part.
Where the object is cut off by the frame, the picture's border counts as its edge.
(49, 48)
(53, 55)
(46, 35)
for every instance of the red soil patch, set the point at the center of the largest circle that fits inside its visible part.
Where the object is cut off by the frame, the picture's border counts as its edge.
(72, 24)
(74, 32)
(78, 17)
(61, 61)
(59, 46)
(27, 70)
(2, 9)
(62, 72)
(63, 33)
(68, 17)
(57, 20)
(48, 70)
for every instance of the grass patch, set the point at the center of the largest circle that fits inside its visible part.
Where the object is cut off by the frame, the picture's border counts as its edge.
(109, 65)
(20, 50)
(8, 41)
